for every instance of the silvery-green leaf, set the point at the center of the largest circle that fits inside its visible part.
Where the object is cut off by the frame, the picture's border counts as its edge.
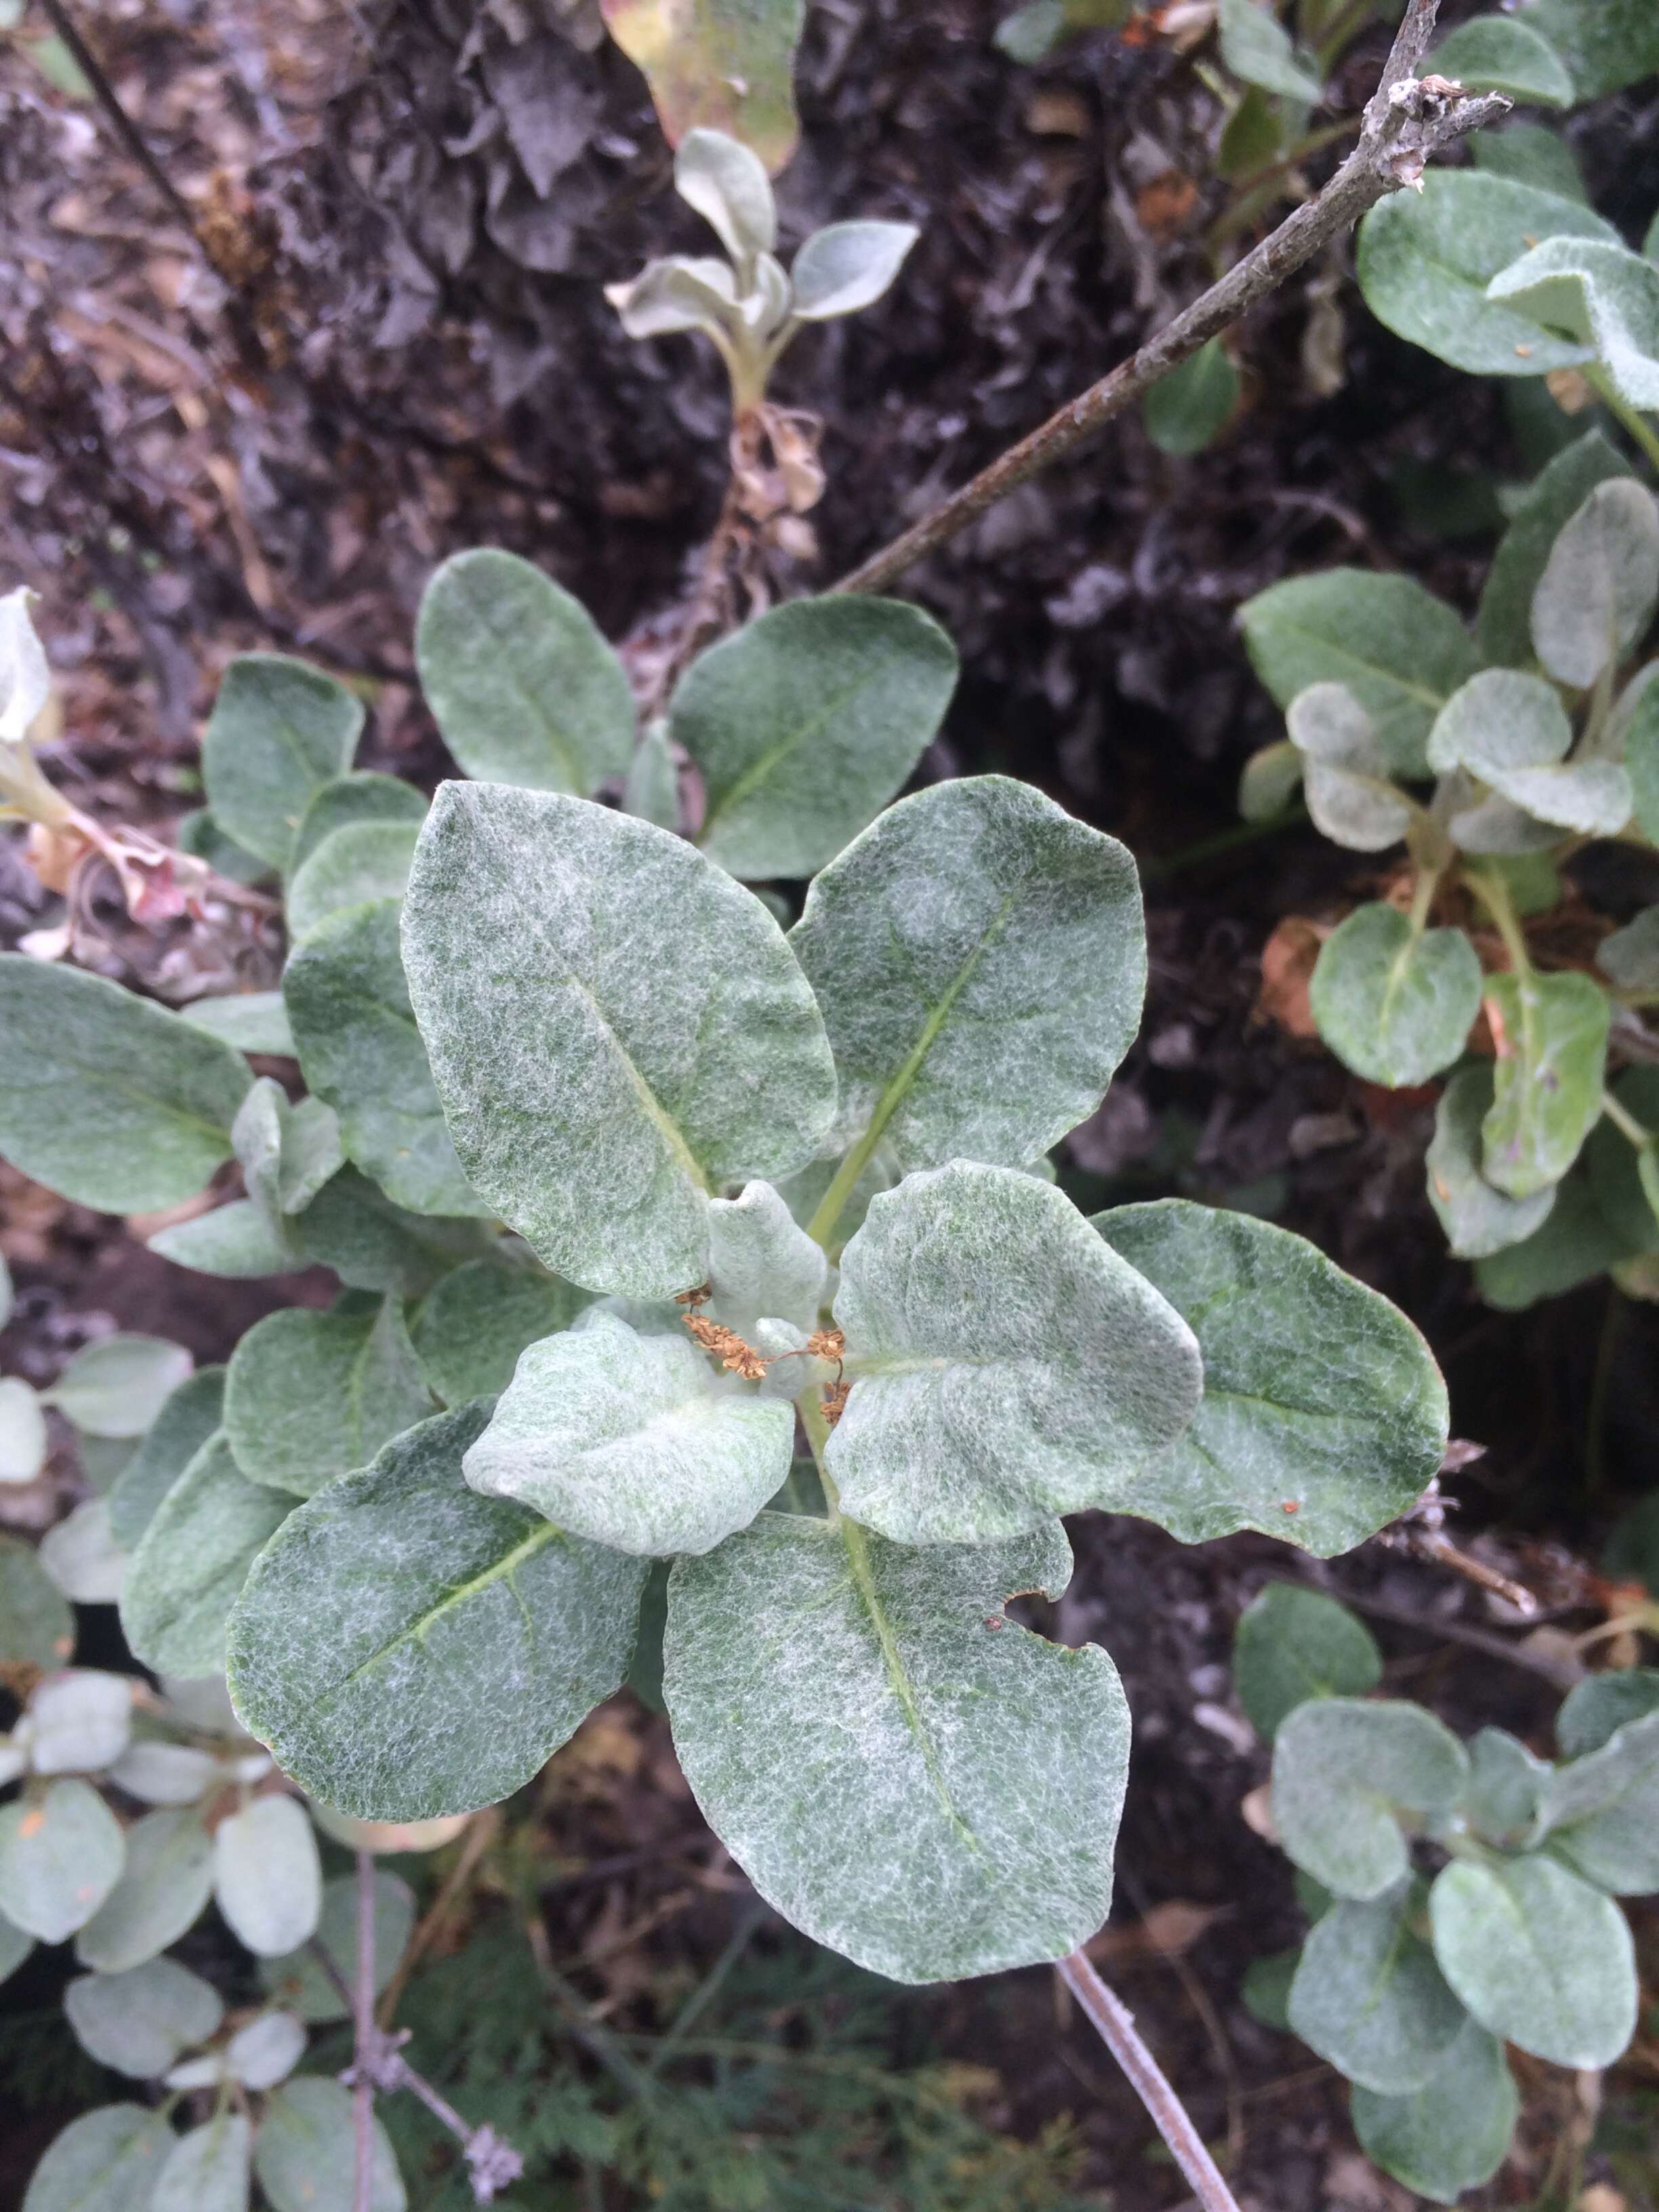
(761, 1264)
(1190, 405)
(1535, 155)
(60, 1857)
(1346, 1771)
(1369, 1997)
(252, 1021)
(267, 1878)
(1264, 1990)
(614, 1027)
(727, 185)
(311, 1395)
(79, 1721)
(396, 1608)
(1010, 1366)
(1492, 825)
(286, 1153)
(266, 2050)
(197, 834)
(159, 1773)
(1594, 1710)
(1576, 1242)
(1537, 1956)
(1641, 735)
(472, 1328)
(1293, 1644)
(1551, 1035)
(848, 266)
(631, 1441)
(116, 1386)
(24, 1443)
(804, 723)
(1318, 1393)
(1505, 622)
(208, 2169)
(361, 796)
(15, 1944)
(162, 1891)
(1508, 728)
(1477, 1219)
(980, 961)
(1599, 585)
(681, 292)
(1425, 259)
(139, 2021)
(364, 861)
(191, 1413)
(105, 2161)
(1629, 957)
(1454, 2133)
(1270, 781)
(1401, 652)
(297, 1979)
(236, 1241)
(83, 1558)
(372, 1245)
(1597, 292)
(106, 1097)
(522, 685)
(103, 1458)
(359, 1048)
(1256, 46)
(25, 676)
(1606, 44)
(193, 1558)
(917, 1782)
(37, 1628)
(652, 787)
(279, 731)
(1345, 770)
(1600, 1812)
(1506, 1788)
(1494, 53)
(305, 2152)
(1394, 1004)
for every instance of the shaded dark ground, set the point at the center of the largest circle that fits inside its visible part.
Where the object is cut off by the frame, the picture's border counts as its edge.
(417, 357)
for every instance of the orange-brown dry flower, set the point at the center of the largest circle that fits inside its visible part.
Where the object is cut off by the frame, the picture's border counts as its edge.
(727, 1347)
(835, 1395)
(827, 1344)
(700, 1296)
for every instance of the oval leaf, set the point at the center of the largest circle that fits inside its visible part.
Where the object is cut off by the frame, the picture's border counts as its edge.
(162, 1891)
(470, 1329)
(305, 2152)
(1454, 2133)
(140, 2021)
(105, 2161)
(60, 1857)
(1369, 1997)
(193, 1560)
(1345, 1771)
(1477, 1219)
(1291, 1645)
(278, 732)
(1394, 1004)
(208, 2169)
(846, 266)
(311, 1395)
(363, 861)
(190, 1417)
(1550, 1033)
(1537, 1956)
(1599, 585)
(267, 1879)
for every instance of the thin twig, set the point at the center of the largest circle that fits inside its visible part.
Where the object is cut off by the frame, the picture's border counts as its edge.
(1115, 2027)
(1404, 123)
(362, 2087)
(125, 129)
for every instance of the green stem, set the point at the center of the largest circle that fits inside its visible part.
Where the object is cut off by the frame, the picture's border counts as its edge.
(1626, 1123)
(1641, 430)
(1493, 894)
(1423, 892)
(818, 1436)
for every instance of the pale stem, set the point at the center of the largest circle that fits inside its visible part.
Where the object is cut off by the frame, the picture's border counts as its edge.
(362, 2089)
(1114, 2025)
(818, 1436)
(1423, 892)
(1639, 427)
(1493, 894)
(1397, 138)
(1626, 1123)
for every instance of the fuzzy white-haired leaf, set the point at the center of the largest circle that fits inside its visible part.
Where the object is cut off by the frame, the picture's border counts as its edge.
(470, 1328)
(1009, 1365)
(139, 2021)
(1509, 729)
(361, 796)
(1345, 771)
(194, 1558)
(804, 723)
(397, 1607)
(1629, 957)
(159, 1773)
(1495, 54)
(1599, 585)
(25, 679)
(60, 1857)
(917, 1782)
(278, 732)
(1394, 1004)
(79, 1721)
(1479, 1219)
(631, 1442)
(1549, 503)
(1270, 780)
(265, 2051)
(372, 1245)
(1600, 1812)
(1540, 1958)
(360, 862)
(761, 1264)
(1598, 292)
(848, 266)
(267, 1877)
(1256, 46)
(679, 293)
(286, 1151)
(1293, 1644)
(305, 2152)
(518, 678)
(727, 185)
(105, 2161)
(614, 1026)
(1454, 2133)
(162, 1891)
(193, 1413)
(106, 1096)
(37, 1628)
(311, 1395)
(1346, 1771)
(237, 1242)
(359, 1050)
(1369, 1997)
(24, 1443)
(208, 2169)
(981, 960)
(1551, 1035)
(83, 1558)
(1323, 1415)
(117, 1385)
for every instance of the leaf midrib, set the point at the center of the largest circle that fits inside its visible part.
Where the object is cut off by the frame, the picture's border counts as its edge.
(767, 761)
(416, 1631)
